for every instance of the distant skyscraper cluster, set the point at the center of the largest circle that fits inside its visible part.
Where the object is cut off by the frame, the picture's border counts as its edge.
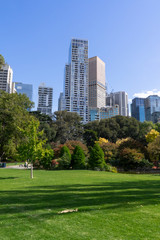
(85, 87)
(84, 90)
(146, 108)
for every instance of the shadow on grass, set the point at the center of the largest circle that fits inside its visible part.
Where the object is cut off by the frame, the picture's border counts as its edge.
(9, 178)
(101, 196)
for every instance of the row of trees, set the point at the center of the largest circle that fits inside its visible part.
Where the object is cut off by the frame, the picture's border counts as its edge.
(118, 141)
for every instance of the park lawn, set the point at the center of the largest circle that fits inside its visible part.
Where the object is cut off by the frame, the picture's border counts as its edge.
(110, 206)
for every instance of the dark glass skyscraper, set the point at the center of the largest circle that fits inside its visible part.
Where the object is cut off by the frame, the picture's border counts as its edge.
(138, 109)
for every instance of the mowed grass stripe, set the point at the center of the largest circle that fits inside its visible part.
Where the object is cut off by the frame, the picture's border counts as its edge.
(110, 206)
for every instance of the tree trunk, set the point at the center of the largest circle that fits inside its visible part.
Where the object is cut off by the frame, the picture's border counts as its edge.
(31, 170)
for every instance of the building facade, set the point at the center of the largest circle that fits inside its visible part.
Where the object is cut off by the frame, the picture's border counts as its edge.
(121, 99)
(138, 109)
(45, 100)
(76, 79)
(152, 104)
(97, 83)
(103, 113)
(24, 88)
(6, 76)
(61, 106)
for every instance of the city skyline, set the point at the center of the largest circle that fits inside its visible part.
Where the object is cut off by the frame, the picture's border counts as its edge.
(128, 45)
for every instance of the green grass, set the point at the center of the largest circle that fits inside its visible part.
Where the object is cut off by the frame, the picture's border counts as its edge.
(110, 206)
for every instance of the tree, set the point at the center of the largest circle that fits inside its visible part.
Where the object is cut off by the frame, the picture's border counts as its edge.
(68, 126)
(131, 159)
(90, 137)
(46, 124)
(96, 159)
(154, 150)
(115, 128)
(65, 158)
(144, 128)
(2, 61)
(32, 145)
(78, 158)
(13, 115)
(152, 135)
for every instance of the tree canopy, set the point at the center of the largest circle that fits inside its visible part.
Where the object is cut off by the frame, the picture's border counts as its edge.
(2, 61)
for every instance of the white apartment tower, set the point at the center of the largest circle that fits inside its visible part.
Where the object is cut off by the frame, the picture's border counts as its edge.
(45, 98)
(97, 83)
(76, 79)
(6, 76)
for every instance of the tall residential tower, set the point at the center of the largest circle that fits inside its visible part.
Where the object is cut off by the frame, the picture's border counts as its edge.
(76, 79)
(6, 75)
(45, 97)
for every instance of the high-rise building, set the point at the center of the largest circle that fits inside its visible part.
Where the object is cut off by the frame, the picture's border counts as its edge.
(121, 99)
(152, 104)
(103, 113)
(45, 98)
(76, 79)
(138, 109)
(24, 88)
(97, 84)
(6, 76)
(61, 106)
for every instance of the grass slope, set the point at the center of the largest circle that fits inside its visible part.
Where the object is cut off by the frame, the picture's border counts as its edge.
(110, 206)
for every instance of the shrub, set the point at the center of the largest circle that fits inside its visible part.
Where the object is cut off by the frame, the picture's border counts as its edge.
(78, 158)
(110, 168)
(154, 150)
(110, 151)
(132, 144)
(96, 159)
(130, 158)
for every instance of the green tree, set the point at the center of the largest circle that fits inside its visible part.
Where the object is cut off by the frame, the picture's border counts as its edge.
(96, 159)
(152, 135)
(13, 115)
(90, 137)
(78, 158)
(46, 124)
(68, 126)
(65, 158)
(154, 150)
(32, 145)
(2, 61)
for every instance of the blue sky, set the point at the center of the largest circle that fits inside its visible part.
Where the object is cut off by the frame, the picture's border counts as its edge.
(35, 37)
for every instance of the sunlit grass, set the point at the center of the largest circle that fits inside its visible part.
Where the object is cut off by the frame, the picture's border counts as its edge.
(110, 206)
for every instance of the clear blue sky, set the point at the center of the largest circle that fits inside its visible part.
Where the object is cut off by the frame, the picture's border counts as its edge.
(35, 37)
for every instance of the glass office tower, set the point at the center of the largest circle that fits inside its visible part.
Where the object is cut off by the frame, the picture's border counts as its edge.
(24, 88)
(76, 79)
(138, 109)
(152, 104)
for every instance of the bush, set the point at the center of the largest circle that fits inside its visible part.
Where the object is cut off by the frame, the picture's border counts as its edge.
(96, 159)
(110, 168)
(110, 151)
(154, 150)
(130, 158)
(78, 158)
(132, 144)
